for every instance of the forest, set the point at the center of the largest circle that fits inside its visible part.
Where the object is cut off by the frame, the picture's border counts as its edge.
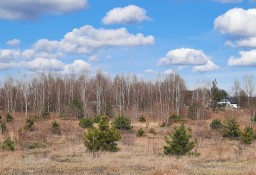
(87, 96)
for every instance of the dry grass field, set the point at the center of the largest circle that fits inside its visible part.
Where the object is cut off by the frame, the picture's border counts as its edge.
(66, 154)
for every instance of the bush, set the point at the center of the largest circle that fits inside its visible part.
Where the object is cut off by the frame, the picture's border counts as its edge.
(122, 123)
(163, 125)
(231, 129)
(3, 126)
(102, 138)
(35, 145)
(216, 124)
(92, 139)
(86, 123)
(29, 124)
(175, 118)
(8, 144)
(178, 142)
(152, 131)
(9, 118)
(140, 133)
(142, 119)
(56, 127)
(45, 114)
(96, 119)
(247, 136)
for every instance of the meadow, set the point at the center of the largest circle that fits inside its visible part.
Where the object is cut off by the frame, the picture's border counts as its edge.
(42, 152)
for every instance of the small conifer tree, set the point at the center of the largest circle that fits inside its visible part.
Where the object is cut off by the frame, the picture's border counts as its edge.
(8, 144)
(142, 119)
(86, 122)
(29, 124)
(103, 137)
(140, 133)
(3, 126)
(96, 119)
(56, 127)
(92, 139)
(247, 136)
(216, 124)
(231, 129)
(9, 118)
(178, 142)
(122, 123)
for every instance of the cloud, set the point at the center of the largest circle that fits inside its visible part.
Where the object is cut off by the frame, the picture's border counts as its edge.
(77, 67)
(127, 15)
(209, 66)
(151, 71)
(32, 9)
(42, 64)
(247, 58)
(230, 44)
(240, 24)
(6, 66)
(237, 22)
(247, 42)
(93, 58)
(49, 65)
(46, 45)
(184, 56)
(87, 39)
(13, 42)
(7, 55)
(28, 54)
(169, 71)
(84, 40)
(44, 54)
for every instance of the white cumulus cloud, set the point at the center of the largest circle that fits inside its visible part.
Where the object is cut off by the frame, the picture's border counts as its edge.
(46, 45)
(44, 55)
(151, 71)
(169, 71)
(237, 22)
(31, 9)
(247, 58)
(184, 56)
(13, 42)
(88, 39)
(5, 66)
(42, 64)
(125, 15)
(240, 24)
(77, 67)
(7, 55)
(209, 66)
(247, 42)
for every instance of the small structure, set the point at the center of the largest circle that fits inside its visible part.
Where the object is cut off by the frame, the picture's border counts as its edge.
(227, 102)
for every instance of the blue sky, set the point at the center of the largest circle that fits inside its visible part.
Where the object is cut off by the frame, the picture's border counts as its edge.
(201, 40)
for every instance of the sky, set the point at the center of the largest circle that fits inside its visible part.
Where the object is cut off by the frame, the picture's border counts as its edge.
(201, 40)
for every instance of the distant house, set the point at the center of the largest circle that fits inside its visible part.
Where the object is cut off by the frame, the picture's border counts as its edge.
(227, 102)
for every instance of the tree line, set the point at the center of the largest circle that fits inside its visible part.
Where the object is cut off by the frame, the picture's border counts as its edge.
(85, 96)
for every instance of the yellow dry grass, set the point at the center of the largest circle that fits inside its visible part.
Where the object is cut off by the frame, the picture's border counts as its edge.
(66, 153)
